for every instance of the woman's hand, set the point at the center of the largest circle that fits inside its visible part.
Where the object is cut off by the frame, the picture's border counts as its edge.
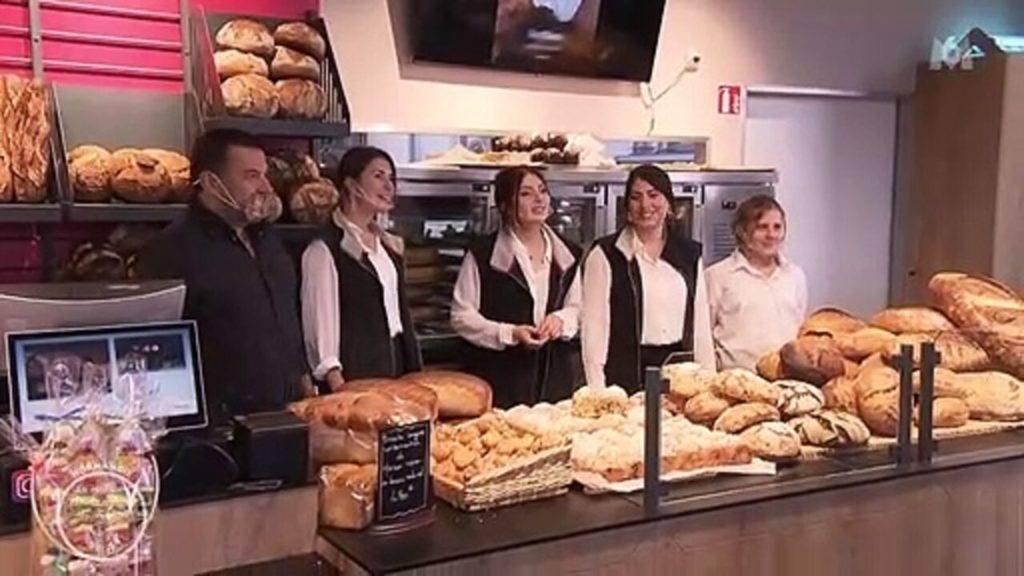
(335, 381)
(551, 327)
(528, 336)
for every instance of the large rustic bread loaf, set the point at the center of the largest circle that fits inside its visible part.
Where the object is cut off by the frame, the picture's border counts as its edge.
(246, 36)
(459, 395)
(831, 321)
(913, 320)
(993, 396)
(956, 351)
(302, 37)
(813, 358)
(89, 168)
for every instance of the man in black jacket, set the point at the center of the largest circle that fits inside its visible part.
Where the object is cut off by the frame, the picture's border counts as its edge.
(241, 284)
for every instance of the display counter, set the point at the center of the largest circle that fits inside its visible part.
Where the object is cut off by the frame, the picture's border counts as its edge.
(856, 515)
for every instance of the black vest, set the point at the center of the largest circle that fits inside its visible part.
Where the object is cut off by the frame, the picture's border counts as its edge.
(367, 348)
(622, 364)
(516, 374)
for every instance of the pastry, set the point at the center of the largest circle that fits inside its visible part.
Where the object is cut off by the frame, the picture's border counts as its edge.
(250, 95)
(466, 453)
(912, 320)
(347, 495)
(831, 429)
(139, 177)
(798, 398)
(830, 322)
(993, 396)
(179, 171)
(772, 441)
(288, 63)
(738, 418)
(301, 99)
(235, 62)
(89, 169)
(741, 385)
(459, 395)
(769, 367)
(705, 408)
(989, 312)
(840, 395)
(590, 402)
(814, 359)
(302, 37)
(859, 345)
(947, 413)
(314, 201)
(247, 36)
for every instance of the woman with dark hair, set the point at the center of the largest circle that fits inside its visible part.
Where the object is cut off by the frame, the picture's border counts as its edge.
(758, 297)
(516, 300)
(355, 317)
(643, 291)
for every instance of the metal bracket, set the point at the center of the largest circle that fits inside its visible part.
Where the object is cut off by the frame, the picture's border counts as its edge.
(35, 32)
(905, 453)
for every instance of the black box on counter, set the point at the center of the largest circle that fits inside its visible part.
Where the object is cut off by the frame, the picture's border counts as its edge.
(272, 446)
(15, 487)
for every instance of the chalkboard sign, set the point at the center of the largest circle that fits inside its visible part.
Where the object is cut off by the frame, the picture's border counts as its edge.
(403, 471)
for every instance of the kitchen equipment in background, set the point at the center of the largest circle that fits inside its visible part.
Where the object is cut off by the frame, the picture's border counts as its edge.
(577, 211)
(720, 204)
(687, 200)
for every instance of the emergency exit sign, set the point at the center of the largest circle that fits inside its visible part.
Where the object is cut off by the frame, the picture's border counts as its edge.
(729, 99)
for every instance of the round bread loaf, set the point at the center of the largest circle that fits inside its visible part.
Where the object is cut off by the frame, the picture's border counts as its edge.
(302, 37)
(705, 408)
(687, 379)
(831, 429)
(772, 441)
(744, 386)
(250, 95)
(89, 168)
(830, 322)
(314, 201)
(769, 366)
(301, 99)
(738, 418)
(289, 169)
(288, 63)
(138, 177)
(947, 413)
(841, 394)
(859, 345)
(459, 395)
(179, 170)
(235, 62)
(913, 320)
(247, 36)
(798, 398)
(815, 359)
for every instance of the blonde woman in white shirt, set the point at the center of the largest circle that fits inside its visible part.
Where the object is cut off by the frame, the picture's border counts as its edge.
(758, 297)
(516, 300)
(355, 318)
(643, 291)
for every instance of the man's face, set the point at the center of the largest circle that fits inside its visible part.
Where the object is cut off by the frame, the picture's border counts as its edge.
(245, 174)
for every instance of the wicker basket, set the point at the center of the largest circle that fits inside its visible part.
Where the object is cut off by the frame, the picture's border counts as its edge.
(543, 475)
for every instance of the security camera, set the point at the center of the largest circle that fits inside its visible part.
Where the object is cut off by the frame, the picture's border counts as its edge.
(693, 59)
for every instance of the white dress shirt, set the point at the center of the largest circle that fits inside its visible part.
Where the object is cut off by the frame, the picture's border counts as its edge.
(664, 290)
(467, 320)
(321, 318)
(752, 313)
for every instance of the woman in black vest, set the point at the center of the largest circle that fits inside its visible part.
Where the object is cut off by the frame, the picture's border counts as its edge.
(643, 291)
(354, 312)
(517, 297)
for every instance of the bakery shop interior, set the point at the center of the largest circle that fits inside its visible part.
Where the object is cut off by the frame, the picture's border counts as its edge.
(511, 286)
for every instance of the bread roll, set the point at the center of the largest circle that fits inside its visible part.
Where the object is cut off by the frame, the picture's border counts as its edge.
(89, 168)
(235, 63)
(993, 396)
(302, 37)
(831, 429)
(313, 202)
(830, 322)
(859, 345)
(687, 379)
(179, 170)
(769, 367)
(246, 36)
(459, 395)
(301, 99)
(798, 398)
(288, 63)
(841, 395)
(772, 441)
(347, 495)
(744, 386)
(946, 413)
(738, 418)
(990, 313)
(705, 408)
(914, 320)
(815, 359)
(138, 177)
(250, 95)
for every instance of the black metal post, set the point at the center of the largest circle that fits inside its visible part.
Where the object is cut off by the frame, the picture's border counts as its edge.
(905, 453)
(925, 441)
(653, 385)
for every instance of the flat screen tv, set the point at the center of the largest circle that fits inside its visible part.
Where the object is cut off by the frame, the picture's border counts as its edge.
(592, 38)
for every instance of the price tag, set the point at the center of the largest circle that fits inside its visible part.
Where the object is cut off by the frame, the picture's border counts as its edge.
(403, 471)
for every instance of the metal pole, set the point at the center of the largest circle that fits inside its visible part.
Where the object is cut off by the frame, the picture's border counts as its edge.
(653, 385)
(35, 32)
(904, 452)
(925, 442)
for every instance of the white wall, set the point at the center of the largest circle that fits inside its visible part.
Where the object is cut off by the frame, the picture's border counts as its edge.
(863, 44)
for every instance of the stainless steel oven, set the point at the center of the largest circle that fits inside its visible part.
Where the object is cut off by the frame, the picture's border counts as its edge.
(718, 211)
(577, 210)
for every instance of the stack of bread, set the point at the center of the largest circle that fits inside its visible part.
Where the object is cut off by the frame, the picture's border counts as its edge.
(113, 258)
(296, 178)
(138, 176)
(25, 127)
(268, 75)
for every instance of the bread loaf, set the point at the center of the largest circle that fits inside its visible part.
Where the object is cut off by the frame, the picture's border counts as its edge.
(841, 395)
(814, 358)
(250, 95)
(178, 168)
(878, 400)
(957, 352)
(89, 169)
(25, 110)
(738, 418)
(705, 408)
(831, 429)
(913, 320)
(990, 313)
(314, 201)
(459, 395)
(946, 413)
(772, 441)
(246, 36)
(798, 398)
(347, 495)
(859, 345)
(830, 322)
(288, 63)
(947, 384)
(235, 63)
(769, 367)
(993, 396)
(301, 99)
(687, 379)
(302, 37)
(139, 177)
(287, 170)
(741, 385)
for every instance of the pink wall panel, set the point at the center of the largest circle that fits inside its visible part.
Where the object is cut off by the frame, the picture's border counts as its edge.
(14, 47)
(272, 8)
(110, 25)
(13, 15)
(156, 5)
(115, 82)
(115, 56)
